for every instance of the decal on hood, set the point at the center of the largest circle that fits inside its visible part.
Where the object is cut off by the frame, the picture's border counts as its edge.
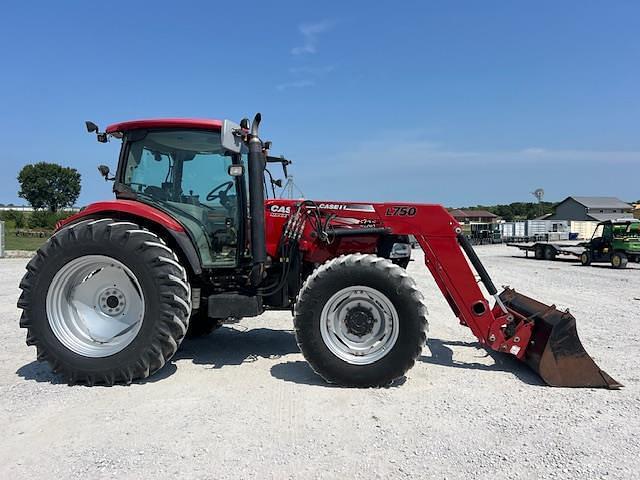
(354, 207)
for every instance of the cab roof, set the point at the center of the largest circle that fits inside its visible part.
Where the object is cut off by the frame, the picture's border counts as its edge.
(193, 123)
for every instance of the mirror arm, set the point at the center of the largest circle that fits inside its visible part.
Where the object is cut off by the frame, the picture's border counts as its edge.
(104, 171)
(274, 182)
(282, 161)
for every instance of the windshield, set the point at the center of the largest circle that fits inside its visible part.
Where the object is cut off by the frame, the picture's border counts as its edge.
(598, 231)
(629, 230)
(186, 173)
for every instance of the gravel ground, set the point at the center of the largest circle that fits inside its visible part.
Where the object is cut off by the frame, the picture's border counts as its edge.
(242, 403)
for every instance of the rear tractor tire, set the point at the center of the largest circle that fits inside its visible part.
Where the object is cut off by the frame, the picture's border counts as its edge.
(105, 301)
(585, 259)
(619, 260)
(360, 321)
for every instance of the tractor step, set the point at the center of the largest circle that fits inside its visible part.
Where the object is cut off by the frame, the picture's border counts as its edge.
(225, 305)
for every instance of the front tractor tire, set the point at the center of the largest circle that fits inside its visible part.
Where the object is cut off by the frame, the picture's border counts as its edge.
(104, 302)
(360, 321)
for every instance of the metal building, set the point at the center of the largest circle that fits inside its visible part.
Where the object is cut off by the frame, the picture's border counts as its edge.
(584, 213)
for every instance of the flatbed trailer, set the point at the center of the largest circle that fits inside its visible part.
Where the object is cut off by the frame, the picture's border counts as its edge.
(549, 250)
(614, 241)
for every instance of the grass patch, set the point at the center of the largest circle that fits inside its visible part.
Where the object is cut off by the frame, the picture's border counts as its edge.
(13, 242)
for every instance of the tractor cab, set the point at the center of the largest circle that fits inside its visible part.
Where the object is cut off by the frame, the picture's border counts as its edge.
(191, 170)
(186, 173)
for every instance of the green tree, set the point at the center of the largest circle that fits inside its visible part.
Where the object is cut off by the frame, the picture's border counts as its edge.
(517, 210)
(48, 185)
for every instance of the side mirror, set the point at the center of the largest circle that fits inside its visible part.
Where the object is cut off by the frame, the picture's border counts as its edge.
(104, 171)
(231, 136)
(91, 127)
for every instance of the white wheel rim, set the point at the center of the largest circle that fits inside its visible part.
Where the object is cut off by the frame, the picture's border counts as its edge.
(95, 306)
(359, 325)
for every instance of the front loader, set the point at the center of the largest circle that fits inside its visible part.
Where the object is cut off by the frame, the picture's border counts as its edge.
(192, 241)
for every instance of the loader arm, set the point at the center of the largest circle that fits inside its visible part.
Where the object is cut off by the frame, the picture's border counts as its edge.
(542, 336)
(439, 235)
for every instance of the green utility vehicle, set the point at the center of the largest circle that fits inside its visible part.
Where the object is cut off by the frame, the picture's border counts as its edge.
(615, 241)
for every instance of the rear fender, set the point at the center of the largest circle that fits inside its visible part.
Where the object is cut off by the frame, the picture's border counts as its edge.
(157, 221)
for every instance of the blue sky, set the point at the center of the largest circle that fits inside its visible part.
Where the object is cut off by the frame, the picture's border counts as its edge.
(456, 102)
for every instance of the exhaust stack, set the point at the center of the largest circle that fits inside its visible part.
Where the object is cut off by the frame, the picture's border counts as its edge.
(256, 162)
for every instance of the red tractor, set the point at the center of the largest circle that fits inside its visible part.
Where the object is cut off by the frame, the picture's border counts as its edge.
(191, 242)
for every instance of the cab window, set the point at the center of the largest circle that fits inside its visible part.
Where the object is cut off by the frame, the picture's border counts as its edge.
(185, 173)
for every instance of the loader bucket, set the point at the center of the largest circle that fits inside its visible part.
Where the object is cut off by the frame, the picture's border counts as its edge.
(555, 351)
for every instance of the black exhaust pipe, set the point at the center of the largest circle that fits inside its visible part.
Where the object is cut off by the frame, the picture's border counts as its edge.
(256, 202)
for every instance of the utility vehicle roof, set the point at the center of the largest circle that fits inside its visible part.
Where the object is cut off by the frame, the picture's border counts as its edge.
(193, 123)
(620, 221)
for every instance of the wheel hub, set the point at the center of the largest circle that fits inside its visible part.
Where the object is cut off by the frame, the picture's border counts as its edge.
(359, 325)
(359, 321)
(112, 302)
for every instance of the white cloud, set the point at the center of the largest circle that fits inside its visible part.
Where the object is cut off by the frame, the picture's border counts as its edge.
(408, 165)
(296, 84)
(533, 150)
(310, 33)
(411, 148)
(314, 71)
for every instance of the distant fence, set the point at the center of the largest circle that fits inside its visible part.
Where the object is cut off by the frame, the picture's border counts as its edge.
(23, 208)
(1, 239)
(25, 232)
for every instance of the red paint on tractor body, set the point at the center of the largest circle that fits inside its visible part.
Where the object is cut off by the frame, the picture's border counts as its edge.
(131, 207)
(186, 123)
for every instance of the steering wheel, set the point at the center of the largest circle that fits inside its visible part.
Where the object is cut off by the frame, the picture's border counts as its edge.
(218, 192)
